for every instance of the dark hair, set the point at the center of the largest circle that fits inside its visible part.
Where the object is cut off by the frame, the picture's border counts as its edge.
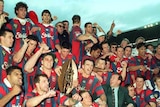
(129, 85)
(96, 47)
(104, 42)
(139, 45)
(58, 23)
(102, 59)
(128, 46)
(107, 59)
(3, 32)
(37, 77)
(76, 19)
(20, 5)
(149, 45)
(50, 54)
(46, 11)
(66, 44)
(86, 24)
(141, 76)
(65, 21)
(83, 91)
(2, 1)
(113, 43)
(10, 69)
(119, 47)
(120, 78)
(33, 37)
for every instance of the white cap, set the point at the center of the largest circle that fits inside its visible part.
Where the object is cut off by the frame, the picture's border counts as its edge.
(100, 34)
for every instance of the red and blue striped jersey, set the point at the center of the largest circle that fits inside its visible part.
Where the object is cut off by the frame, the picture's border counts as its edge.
(77, 46)
(61, 61)
(20, 32)
(48, 35)
(143, 98)
(5, 62)
(91, 84)
(149, 64)
(53, 79)
(49, 102)
(16, 101)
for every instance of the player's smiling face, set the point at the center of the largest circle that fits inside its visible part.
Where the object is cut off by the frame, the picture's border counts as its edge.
(21, 13)
(88, 67)
(47, 62)
(142, 51)
(64, 52)
(46, 18)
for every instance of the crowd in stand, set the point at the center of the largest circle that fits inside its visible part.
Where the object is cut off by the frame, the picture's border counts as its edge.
(32, 54)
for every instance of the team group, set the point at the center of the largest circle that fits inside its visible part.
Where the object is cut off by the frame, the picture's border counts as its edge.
(109, 74)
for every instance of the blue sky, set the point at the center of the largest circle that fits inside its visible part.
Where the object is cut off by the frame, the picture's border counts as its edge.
(127, 14)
